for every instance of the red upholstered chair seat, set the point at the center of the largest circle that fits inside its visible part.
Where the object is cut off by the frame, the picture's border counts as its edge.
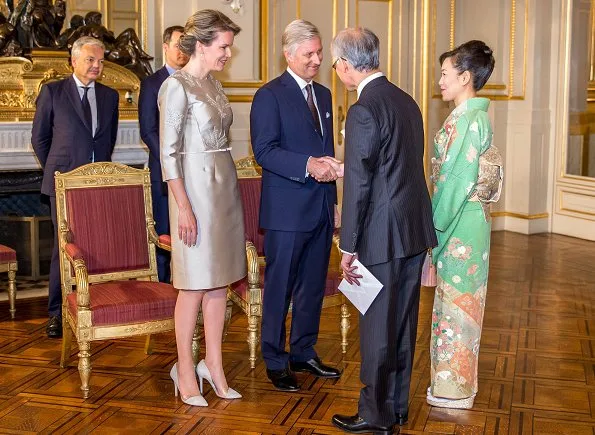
(7, 254)
(123, 302)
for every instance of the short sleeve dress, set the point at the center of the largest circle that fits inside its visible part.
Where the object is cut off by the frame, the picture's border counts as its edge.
(195, 117)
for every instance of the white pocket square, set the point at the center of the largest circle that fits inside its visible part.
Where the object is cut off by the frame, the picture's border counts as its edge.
(328, 115)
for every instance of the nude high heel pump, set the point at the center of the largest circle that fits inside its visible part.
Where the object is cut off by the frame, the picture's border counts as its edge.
(203, 373)
(194, 400)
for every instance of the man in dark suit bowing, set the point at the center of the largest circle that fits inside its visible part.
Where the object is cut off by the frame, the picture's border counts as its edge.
(386, 224)
(291, 128)
(75, 123)
(148, 119)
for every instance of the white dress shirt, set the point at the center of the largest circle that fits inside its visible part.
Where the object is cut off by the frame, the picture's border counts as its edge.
(367, 80)
(302, 84)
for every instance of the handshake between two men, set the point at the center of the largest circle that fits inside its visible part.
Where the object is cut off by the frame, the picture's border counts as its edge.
(325, 169)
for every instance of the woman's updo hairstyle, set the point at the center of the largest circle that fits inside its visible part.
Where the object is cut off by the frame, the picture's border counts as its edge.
(475, 57)
(203, 26)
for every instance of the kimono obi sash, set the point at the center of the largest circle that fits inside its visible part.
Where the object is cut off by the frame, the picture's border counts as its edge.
(489, 180)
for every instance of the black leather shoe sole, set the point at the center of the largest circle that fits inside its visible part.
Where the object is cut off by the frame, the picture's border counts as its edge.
(284, 387)
(299, 368)
(366, 430)
(357, 425)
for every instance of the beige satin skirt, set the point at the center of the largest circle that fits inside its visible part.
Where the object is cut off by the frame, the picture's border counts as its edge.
(219, 257)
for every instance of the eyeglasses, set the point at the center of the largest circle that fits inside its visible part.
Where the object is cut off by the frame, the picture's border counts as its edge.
(334, 65)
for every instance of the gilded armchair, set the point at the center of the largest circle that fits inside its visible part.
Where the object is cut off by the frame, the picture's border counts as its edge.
(107, 260)
(8, 263)
(247, 294)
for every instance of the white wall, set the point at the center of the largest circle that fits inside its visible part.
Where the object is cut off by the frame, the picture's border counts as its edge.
(525, 87)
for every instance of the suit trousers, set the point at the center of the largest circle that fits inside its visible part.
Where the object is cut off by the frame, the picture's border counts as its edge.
(296, 269)
(161, 218)
(387, 340)
(55, 287)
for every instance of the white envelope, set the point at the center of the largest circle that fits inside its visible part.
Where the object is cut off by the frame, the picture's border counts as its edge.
(363, 295)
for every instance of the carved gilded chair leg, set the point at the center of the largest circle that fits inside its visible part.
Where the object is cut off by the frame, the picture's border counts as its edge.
(196, 344)
(85, 366)
(149, 345)
(66, 343)
(12, 292)
(252, 338)
(345, 325)
(228, 309)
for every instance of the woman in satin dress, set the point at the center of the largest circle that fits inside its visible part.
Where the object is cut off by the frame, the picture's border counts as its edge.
(205, 210)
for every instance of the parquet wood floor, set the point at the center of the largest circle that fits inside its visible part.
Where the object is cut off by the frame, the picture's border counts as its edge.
(537, 365)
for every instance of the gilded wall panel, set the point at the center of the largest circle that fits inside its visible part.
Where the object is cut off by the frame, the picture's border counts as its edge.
(377, 15)
(502, 25)
(247, 66)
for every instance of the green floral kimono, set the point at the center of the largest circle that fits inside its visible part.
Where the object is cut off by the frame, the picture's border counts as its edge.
(462, 223)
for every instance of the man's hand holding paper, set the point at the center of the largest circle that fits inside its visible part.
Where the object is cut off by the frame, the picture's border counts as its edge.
(359, 285)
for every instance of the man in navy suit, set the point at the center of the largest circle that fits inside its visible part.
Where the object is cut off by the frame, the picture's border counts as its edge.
(291, 129)
(148, 118)
(75, 123)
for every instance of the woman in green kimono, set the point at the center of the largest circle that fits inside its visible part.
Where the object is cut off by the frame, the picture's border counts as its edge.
(467, 175)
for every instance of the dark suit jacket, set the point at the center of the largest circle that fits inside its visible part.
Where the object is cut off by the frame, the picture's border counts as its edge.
(148, 118)
(60, 137)
(283, 137)
(387, 212)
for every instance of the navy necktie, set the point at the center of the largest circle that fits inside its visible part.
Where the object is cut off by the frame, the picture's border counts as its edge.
(313, 110)
(87, 107)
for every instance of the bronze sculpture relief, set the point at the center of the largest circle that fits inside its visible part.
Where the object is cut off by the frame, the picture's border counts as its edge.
(37, 24)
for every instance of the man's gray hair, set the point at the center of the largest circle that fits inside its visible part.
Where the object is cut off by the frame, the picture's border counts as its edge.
(359, 46)
(297, 32)
(82, 41)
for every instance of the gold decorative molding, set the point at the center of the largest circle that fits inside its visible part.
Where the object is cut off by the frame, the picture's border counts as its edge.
(240, 98)
(453, 10)
(102, 173)
(248, 168)
(568, 211)
(21, 80)
(104, 168)
(526, 216)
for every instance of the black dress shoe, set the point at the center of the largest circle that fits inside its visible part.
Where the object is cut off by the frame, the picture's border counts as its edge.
(356, 424)
(54, 327)
(402, 419)
(283, 380)
(315, 367)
